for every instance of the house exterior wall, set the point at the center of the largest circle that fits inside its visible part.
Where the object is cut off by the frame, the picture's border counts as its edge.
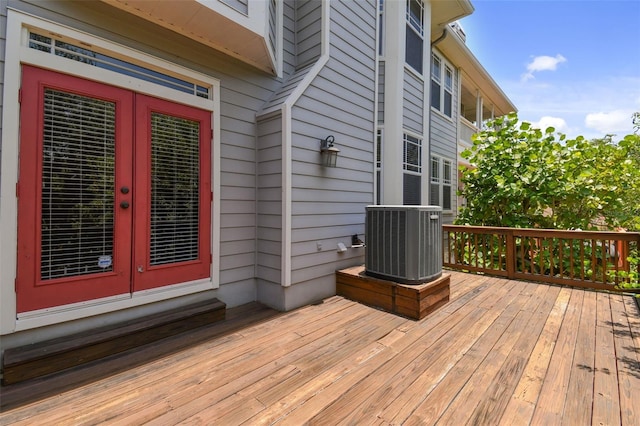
(279, 216)
(328, 204)
(335, 95)
(269, 200)
(243, 92)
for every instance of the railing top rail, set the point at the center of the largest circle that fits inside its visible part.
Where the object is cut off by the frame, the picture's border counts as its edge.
(552, 233)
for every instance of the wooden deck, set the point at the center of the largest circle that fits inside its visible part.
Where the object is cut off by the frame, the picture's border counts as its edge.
(500, 352)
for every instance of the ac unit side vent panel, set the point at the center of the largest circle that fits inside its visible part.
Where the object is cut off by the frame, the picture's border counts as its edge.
(404, 243)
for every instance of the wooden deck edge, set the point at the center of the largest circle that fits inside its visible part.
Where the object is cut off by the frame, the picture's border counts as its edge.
(411, 301)
(51, 356)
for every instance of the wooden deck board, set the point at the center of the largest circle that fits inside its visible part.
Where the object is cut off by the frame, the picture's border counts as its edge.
(550, 406)
(520, 408)
(500, 351)
(582, 374)
(627, 361)
(606, 401)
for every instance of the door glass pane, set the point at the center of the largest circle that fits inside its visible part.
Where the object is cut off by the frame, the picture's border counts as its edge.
(77, 185)
(175, 203)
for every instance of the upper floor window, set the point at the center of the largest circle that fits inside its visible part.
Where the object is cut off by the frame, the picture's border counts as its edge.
(412, 164)
(440, 192)
(414, 38)
(412, 154)
(442, 79)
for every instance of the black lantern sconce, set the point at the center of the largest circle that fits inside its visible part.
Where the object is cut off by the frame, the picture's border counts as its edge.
(329, 152)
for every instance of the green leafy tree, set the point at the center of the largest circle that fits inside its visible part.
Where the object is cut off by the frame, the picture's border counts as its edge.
(526, 177)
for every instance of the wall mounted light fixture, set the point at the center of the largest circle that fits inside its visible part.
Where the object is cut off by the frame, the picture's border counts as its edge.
(328, 151)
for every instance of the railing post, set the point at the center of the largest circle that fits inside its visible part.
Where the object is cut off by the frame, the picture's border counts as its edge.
(511, 254)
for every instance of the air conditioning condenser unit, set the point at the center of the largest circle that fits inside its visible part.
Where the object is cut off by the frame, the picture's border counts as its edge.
(404, 243)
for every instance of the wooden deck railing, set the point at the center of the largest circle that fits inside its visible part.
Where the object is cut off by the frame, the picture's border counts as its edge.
(579, 258)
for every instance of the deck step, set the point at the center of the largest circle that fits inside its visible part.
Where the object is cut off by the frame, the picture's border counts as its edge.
(51, 356)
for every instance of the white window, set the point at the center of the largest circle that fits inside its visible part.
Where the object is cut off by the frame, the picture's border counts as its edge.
(442, 80)
(414, 37)
(412, 154)
(412, 165)
(441, 183)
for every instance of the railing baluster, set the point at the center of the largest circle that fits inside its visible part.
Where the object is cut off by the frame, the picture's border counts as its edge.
(510, 255)
(552, 247)
(604, 260)
(561, 256)
(582, 265)
(594, 263)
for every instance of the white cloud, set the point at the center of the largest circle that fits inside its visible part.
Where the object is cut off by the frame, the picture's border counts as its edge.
(543, 63)
(556, 122)
(573, 98)
(615, 122)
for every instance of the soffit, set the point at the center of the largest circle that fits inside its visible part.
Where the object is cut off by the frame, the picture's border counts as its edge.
(199, 22)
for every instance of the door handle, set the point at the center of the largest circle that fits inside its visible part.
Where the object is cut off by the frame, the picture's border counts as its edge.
(124, 204)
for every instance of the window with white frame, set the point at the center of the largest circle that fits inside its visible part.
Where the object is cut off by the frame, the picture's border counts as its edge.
(440, 191)
(412, 166)
(414, 37)
(442, 79)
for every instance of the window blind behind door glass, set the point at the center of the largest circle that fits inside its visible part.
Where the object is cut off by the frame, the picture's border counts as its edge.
(77, 185)
(175, 171)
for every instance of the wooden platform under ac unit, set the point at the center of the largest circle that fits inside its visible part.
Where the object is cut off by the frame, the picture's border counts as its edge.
(412, 301)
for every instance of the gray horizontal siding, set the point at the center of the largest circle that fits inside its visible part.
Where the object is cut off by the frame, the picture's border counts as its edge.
(288, 37)
(328, 205)
(308, 31)
(413, 102)
(269, 200)
(241, 6)
(287, 88)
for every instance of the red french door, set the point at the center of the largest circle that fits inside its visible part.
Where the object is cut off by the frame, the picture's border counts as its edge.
(114, 191)
(172, 224)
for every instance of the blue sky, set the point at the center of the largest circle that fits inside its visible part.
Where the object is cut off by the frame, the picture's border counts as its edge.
(574, 65)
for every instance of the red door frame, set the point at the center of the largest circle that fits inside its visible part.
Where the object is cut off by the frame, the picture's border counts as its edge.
(131, 248)
(161, 275)
(34, 293)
